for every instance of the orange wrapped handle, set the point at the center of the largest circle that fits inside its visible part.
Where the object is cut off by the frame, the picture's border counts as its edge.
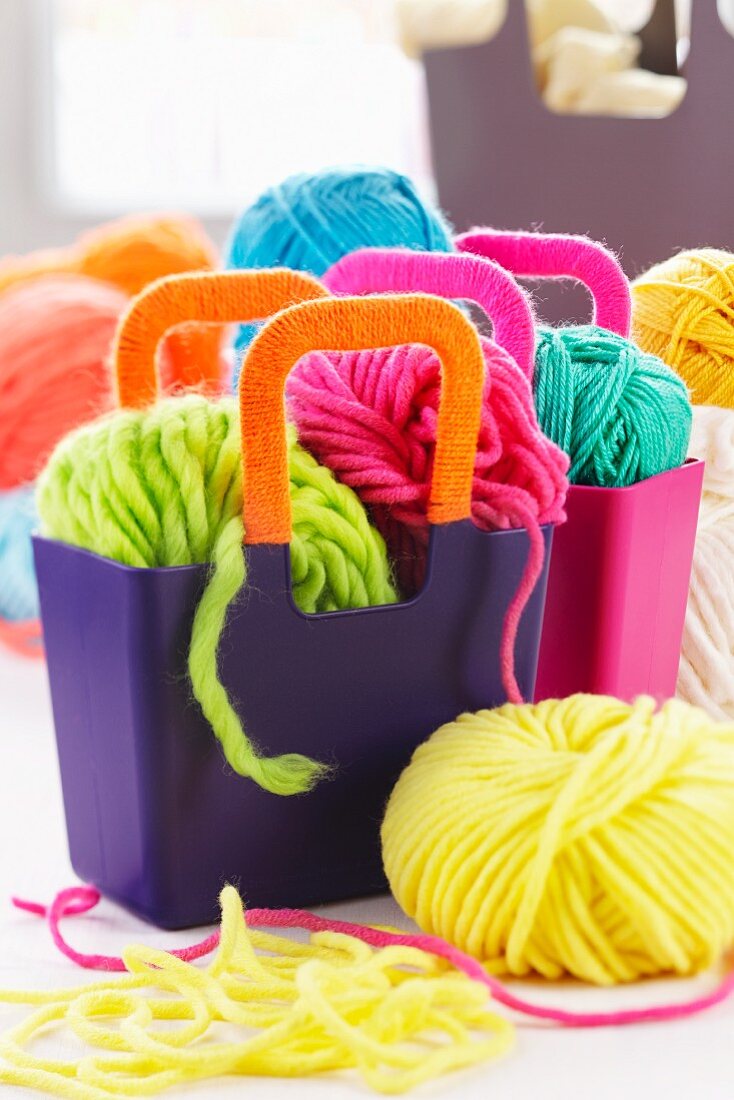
(351, 324)
(217, 297)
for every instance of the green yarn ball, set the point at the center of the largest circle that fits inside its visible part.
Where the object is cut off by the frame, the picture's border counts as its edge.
(163, 487)
(620, 414)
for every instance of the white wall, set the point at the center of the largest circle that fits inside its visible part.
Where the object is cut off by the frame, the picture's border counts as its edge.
(27, 218)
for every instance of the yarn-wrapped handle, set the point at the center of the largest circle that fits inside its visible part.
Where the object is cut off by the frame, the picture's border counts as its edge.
(217, 298)
(354, 324)
(370, 270)
(560, 256)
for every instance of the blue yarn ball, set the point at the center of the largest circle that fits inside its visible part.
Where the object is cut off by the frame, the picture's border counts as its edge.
(308, 222)
(18, 592)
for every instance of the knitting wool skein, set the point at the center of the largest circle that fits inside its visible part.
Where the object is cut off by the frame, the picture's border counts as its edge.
(683, 311)
(57, 332)
(163, 487)
(622, 415)
(706, 675)
(140, 248)
(370, 416)
(582, 836)
(56, 336)
(129, 253)
(308, 222)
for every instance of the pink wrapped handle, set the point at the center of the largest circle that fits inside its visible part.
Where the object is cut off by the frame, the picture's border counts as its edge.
(560, 256)
(448, 275)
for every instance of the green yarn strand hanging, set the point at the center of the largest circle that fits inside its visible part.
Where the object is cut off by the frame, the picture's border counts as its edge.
(163, 487)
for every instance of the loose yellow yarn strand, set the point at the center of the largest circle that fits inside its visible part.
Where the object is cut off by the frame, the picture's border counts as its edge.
(397, 1015)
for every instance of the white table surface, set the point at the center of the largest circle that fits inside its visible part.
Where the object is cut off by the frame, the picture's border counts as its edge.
(692, 1058)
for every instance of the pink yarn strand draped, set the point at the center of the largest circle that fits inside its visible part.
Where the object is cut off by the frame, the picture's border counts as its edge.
(77, 900)
(371, 417)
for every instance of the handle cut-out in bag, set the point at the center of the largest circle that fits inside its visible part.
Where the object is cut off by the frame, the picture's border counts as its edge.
(470, 278)
(211, 298)
(266, 485)
(359, 689)
(560, 256)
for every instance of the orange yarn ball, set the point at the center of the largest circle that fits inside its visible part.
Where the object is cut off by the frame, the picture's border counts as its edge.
(55, 336)
(133, 251)
(129, 253)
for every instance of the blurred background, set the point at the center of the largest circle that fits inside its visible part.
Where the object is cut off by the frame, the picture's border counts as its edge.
(116, 105)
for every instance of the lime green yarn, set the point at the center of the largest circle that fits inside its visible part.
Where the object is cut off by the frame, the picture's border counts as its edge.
(163, 487)
(620, 414)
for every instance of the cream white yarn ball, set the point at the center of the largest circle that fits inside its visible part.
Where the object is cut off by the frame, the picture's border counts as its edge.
(706, 675)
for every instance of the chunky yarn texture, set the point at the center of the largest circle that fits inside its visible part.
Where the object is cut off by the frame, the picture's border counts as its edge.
(75, 901)
(706, 675)
(683, 311)
(163, 487)
(395, 1015)
(371, 417)
(584, 836)
(620, 414)
(309, 221)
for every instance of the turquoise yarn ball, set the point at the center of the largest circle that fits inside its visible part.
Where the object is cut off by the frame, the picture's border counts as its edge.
(620, 414)
(308, 222)
(18, 592)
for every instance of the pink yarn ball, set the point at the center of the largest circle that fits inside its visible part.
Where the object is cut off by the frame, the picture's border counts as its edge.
(370, 416)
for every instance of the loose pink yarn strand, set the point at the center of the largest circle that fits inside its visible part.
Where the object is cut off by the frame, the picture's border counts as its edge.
(374, 270)
(77, 900)
(370, 416)
(513, 615)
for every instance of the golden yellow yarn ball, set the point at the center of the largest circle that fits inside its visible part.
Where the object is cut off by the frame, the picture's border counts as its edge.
(584, 836)
(683, 312)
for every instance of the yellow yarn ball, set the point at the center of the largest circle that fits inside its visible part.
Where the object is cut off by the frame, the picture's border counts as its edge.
(683, 312)
(584, 836)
